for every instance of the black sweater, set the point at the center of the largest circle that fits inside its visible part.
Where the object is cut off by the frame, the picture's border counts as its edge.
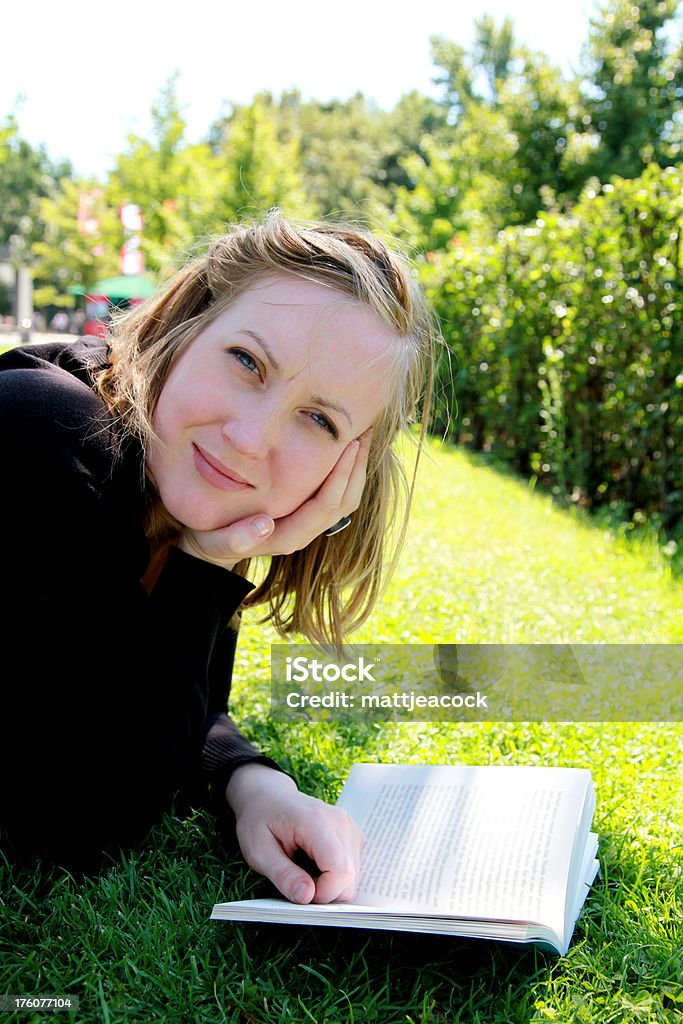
(111, 700)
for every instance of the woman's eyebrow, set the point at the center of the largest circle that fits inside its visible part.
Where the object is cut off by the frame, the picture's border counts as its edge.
(326, 404)
(318, 399)
(264, 345)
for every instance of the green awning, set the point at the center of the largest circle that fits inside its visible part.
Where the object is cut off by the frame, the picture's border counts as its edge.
(128, 286)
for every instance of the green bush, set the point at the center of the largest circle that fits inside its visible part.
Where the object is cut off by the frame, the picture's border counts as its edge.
(568, 347)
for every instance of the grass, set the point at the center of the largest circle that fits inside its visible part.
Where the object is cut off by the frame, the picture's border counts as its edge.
(486, 560)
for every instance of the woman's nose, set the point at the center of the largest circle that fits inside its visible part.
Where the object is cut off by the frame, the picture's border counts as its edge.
(250, 435)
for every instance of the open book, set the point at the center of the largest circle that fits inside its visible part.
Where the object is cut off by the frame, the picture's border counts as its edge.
(489, 852)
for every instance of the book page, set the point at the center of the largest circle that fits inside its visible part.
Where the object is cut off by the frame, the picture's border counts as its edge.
(468, 841)
(589, 868)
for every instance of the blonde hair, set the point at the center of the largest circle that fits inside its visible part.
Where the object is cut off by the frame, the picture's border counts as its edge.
(330, 587)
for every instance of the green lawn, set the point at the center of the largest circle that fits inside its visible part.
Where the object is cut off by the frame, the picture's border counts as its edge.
(486, 560)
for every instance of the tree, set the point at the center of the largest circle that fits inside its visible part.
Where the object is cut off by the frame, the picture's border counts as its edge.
(494, 51)
(74, 251)
(178, 186)
(499, 153)
(259, 162)
(455, 74)
(348, 152)
(26, 176)
(414, 119)
(459, 187)
(343, 148)
(540, 108)
(634, 89)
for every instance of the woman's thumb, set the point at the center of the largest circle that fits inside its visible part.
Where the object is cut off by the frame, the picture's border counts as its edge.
(249, 533)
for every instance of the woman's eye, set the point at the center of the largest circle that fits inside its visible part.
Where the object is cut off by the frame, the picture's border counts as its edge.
(326, 424)
(245, 359)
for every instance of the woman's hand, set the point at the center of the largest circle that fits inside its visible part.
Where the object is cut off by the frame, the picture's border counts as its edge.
(274, 821)
(339, 495)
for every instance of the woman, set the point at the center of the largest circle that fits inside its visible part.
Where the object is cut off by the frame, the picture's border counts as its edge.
(246, 410)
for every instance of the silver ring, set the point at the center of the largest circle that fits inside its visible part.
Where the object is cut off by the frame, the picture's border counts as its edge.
(338, 527)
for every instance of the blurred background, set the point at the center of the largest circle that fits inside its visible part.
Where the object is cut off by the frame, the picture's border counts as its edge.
(526, 155)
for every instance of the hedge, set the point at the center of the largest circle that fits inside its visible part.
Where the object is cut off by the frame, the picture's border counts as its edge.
(566, 347)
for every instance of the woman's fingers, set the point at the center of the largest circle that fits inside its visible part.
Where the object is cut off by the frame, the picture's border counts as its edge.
(339, 495)
(227, 546)
(246, 535)
(343, 488)
(340, 852)
(336, 856)
(269, 859)
(332, 491)
(356, 479)
(274, 821)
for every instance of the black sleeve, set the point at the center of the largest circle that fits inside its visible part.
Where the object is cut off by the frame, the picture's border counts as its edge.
(224, 748)
(104, 699)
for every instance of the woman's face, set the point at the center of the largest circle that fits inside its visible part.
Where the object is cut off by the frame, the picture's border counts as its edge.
(256, 412)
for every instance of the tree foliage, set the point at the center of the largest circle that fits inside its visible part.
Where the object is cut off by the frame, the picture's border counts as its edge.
(501, 150)
(26, 176)
(510, 136)
(260, 163)
(67, 256)
(177, 185)
(542, 206)
(567, 338)
(634, 88)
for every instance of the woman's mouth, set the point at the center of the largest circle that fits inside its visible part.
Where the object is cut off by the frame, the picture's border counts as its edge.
(216, 472)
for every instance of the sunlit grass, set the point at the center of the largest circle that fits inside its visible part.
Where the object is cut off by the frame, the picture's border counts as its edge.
(486, 560)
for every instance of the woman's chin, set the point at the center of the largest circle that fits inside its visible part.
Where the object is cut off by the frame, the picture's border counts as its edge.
(204, 520)
(203, 523)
